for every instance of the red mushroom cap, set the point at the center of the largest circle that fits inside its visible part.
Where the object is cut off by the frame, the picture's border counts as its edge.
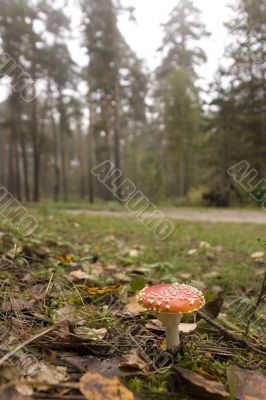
(171, 298)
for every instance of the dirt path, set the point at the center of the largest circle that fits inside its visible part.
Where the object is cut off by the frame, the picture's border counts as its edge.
(236, 216)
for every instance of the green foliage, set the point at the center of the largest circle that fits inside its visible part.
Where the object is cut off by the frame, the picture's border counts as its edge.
(237, 121)
(157, 130)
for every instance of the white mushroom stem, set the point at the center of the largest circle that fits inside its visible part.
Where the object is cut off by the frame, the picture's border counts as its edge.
(171, 323)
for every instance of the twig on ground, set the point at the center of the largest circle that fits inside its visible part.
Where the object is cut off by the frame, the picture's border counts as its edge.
(49, 285)
(28, 341)
(229, 335)
(45, 396)
(65, 385)
(260, 299)
(36, 383)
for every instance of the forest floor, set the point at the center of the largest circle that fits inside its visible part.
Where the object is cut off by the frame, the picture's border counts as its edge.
(70, 326)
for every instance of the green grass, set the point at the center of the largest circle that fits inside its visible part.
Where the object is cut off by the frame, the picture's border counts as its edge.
(114, 205)
(233, 264)
(82, 204)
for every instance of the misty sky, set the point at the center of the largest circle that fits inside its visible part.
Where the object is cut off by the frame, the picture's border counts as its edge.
(145, 36)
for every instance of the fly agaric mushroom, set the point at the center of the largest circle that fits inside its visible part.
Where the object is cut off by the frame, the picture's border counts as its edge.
(171, 301)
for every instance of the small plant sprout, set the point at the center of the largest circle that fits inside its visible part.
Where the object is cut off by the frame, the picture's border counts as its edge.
(171, 301)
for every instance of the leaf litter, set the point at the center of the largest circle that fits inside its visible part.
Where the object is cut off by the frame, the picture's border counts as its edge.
(70, 325)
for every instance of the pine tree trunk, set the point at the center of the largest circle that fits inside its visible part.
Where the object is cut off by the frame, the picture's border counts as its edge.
(106, 152)
(34, 130)
(36, 155)
(63, 150)
(4, 155)
(182, 176)
(21, 144)
(56, 187)
(55, 152)
(25, 167)
(81, 158)
(10, 176)
(90, 143)
(17, 168)
(117, 133)
(13, 181)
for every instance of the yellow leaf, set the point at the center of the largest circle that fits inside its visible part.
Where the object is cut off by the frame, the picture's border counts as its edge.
(94, 291)
(204, 373)
(98, 387)
(65, 259)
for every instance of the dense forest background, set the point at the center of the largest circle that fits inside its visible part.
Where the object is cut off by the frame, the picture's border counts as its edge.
(153, 125)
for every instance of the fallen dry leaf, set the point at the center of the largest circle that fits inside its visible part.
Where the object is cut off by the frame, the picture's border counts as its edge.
(45, 375)
(204, 245)
(192, 252)
(79, 275)
(24, 389)
(205, 387)
(187, 328)
(90, 333)
(17, 305)
(107, 366)
(121, 276)
(133, 307)
(212, 274)
(258, 255)
(109, 238)
(219, 248)
(13, 394)
(133, 361)
(112, 267)
(51, 374)
(246, 384)
(28, 363)
(185, 275)
(133, 253)
(216, 289)
(98, 387)
(66, 313)
(155, 325)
